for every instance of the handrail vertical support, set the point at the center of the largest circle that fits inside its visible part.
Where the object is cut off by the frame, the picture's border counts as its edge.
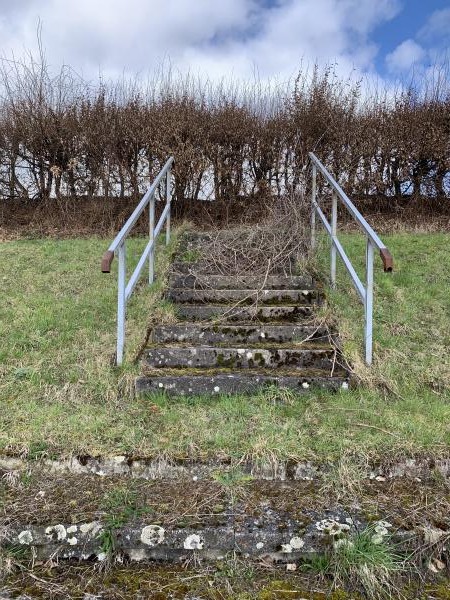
(333, 234)
(151, 256)
(368, 304)
(313, 207)
(121, 300)
(168, 201)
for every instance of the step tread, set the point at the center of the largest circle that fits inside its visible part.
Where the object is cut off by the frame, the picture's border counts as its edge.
(270, 297)
(203, 268)
(223, 382)
(241, 282)
(238, 358)
(287, 313)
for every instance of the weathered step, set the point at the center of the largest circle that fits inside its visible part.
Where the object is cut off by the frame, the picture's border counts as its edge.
(263, 314)
(177, 357)
(266, 297)
(236, 383)
(237, 334)
(205, 268)
(247, 282)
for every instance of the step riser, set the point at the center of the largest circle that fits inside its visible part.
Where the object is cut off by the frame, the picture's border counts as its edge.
(248, 297)
(233, 384)
(223, 282)
(204, 268)
(235, 334)
(233, 358)
(263, 314)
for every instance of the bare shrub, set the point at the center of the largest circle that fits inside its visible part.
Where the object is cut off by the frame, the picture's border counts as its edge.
(64, 141)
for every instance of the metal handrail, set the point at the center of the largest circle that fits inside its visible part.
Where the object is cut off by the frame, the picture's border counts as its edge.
(365, 292)
(118, 245)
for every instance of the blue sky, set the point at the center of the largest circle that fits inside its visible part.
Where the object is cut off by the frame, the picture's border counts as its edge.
(384, 39)
(407, 24)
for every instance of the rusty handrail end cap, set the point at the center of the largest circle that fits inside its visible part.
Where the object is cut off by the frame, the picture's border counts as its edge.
(106, 261)
(388, 261)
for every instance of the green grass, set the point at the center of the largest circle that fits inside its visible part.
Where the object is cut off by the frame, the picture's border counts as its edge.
(411, 314)
(59, 394)
(58, 390)
(358, 562)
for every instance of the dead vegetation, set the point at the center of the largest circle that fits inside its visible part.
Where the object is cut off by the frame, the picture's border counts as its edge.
(277, 244)
(65, 143)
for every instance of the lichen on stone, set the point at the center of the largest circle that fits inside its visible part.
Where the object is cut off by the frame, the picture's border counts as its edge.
(381, 531)
(152, 535)
(56, 532)
(25, 537)
(137, 554)
(297, 543)
(72, 529)
(332, 527)
(193, 542)
(72, 541)
(92, 528)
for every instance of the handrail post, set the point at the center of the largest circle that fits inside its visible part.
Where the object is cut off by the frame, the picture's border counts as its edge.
(151, 256)
(333, 233)
(121, 303)
(368, 304)
(168, 201)
(313, 207)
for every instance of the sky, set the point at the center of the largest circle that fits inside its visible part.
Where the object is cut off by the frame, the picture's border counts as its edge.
(270, 39)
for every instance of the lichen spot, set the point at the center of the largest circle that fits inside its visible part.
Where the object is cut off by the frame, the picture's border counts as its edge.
(92, 528)
(193, 542)
(137, 554)
(296, 543)
(160, 385)
(216, 388)
(56, 533)
(305, 385)
(259, 545)
(249, 355)
(72, 541)
(152, 535)
(72, 529)
(25, 537)
(344, 385)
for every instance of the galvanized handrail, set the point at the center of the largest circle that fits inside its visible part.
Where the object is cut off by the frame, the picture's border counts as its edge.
(365, 292)
(124, 289)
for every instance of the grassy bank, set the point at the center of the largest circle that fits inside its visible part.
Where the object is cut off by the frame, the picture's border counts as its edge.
(59, 394)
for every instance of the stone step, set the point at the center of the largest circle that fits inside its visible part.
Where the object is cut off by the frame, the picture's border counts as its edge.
(263, 314)
(205, 268)
(266, 297)
(207, 357)
(248, 282)
(237, 383)
(237, 334)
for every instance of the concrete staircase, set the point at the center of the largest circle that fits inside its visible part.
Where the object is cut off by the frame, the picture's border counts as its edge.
(239, 333)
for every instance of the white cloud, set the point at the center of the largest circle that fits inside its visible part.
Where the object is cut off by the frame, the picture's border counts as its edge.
(405, 56)
(437, 27)
(210, 37)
